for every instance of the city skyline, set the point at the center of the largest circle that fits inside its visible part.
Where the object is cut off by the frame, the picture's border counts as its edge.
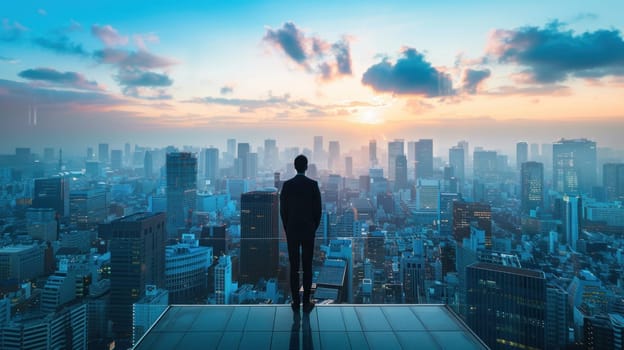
(157, 75)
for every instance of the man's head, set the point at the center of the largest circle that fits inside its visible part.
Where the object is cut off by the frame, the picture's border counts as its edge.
(301, 163)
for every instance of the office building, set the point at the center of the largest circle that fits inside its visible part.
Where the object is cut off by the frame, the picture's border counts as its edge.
(241, 162)
(522, 154)
(372, 153)
(423, 153)
(271, 155)
(348, 167)
(21, 262)
(60, 289)
(148, 165)
(259, 243)
(574, 166)
(457, 161)
(428, 195)
(88, 207)
(412, 270)
(465, 213)
(181, 191)
(41, 224)
(103, 153)
(613, 181)
(531, 186)
(223, 280)
(400, 172)
(211, 164)
(52, 192)
(485, 165)
(395, 149)
(333, 162)
(186, 265)
(318, 154)
(510, 319)
(557, 319)
(116, 158)
(137, 249)
(604, 331)
(572, 216)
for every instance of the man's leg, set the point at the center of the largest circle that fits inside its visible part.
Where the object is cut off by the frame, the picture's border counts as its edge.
(293, 258)
(307, 250)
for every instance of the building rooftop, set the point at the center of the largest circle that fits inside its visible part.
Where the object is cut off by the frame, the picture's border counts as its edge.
(509, 269)
(340, 326)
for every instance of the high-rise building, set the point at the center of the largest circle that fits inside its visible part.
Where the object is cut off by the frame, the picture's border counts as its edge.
(181, 190)
(271, 155)
(572, 215)
(395, 149)
(21, 262)
(349, 167)
(318, 149)
(116, 157)
(465, 213)
(485, 165)
(185, 270)
(103, 153)
(137, 249)
(242, 155)
(223, 280)
(531, 186)
(535, 154)
(60, 289)
(457, 161)
(424, 158)
(400, 172)
(52, 192)
(556, 324)
(259, 243)
(428, 194)
(506, 306)
(522, 154)
(613, 181)
(372, 153)
(603, 331)
(252, 165)
(148, 165)
(574, 166)
(211, 163)
(147, 310)
(412, 270)
(41, 224)
(48, 154)
(334, 156)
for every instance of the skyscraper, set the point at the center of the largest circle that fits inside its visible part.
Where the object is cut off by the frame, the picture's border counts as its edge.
(211, 163)
(395, 149)
(181, 190)
(424, 158)
(270, 155)
(572, 210)
(522, 154)
(52, 192)
(485, 165)
(103, 152)
(223, 280)
(531, 185)
(334, 156)
(349, 167)
(116, 157)
(465, 213)
(574, 166)
(137, 248)
(259, 245)
(400, 172)
(148, 165)
(372, 153)
(318, 149)
(457, 161)
(242, 156)
(613, 181)
(506, 305)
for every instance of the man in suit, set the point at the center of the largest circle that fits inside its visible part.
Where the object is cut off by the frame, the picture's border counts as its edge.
(300, 209)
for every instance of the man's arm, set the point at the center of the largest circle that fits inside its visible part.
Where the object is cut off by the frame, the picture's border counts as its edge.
(284, 205)
(317, 205)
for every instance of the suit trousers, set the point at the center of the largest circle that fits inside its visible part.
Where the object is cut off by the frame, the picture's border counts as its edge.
(306, 245)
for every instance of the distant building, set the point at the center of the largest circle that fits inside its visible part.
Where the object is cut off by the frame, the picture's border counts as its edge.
(41, 224)
(522, 154)
(395, 149)
(259, 247)
(400, 172)
(186, 265)
(513, 318)
(147, 310)
(572, 219)
(103, 153)
(181, 191)
(89, 207)
(613, 181)
(211, 164)
(531, 186)
(59, 289)
(604, 331)
(21, 262)
(557, 318)
(223, 280)
(464, 213)
(116, 159)
(457, 161)
(574, 166)
(52, 193)
(424, 158)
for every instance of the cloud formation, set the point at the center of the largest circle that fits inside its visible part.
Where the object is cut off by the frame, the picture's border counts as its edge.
(108, 35)
(127, 59)
(314, 54)
(64, 79)
(552, 55)
(411, 74)
(11, 31)
(145, 79)
(472, 79)
(61, 44)
(227, 89)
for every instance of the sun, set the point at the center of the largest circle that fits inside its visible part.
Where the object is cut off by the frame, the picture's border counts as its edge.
(369, 116)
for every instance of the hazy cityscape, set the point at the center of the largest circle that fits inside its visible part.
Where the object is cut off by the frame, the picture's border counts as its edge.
(469, 157)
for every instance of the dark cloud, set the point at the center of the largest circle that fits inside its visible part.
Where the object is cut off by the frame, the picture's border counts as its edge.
(17, 93)
(472, 78)
(143, 78)
(411, 74)
(61, 44)
(7, 59)
(314, 54)
(65, 79)
(108, 35)
(290, 39)
(127, 59)
(226, 90)
(343, 56)
(11, 31)
(552, 54)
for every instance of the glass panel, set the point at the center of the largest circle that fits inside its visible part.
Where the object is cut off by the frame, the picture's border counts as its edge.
(402, 318)
(330, 319)
(372, 319)
(382, 340)
(260, 319)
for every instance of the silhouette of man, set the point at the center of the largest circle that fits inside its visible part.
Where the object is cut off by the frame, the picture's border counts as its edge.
(300, 209)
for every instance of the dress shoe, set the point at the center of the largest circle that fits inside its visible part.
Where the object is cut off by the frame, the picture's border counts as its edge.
(307, 307)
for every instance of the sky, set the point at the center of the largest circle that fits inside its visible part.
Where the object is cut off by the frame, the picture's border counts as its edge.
(74, 74)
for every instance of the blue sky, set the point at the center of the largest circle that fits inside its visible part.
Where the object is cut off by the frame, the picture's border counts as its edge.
(132, 70)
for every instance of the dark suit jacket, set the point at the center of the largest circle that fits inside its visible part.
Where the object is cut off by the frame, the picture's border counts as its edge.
(300, 206)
